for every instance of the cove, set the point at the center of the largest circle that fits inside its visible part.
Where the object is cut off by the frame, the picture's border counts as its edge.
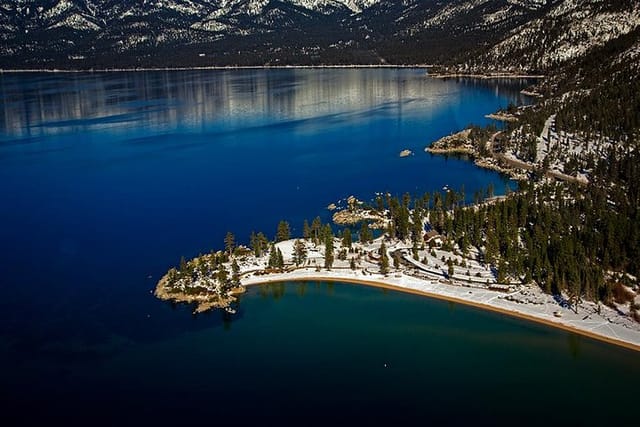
(107, 179)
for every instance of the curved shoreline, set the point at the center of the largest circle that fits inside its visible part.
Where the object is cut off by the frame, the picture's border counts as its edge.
(513, 313)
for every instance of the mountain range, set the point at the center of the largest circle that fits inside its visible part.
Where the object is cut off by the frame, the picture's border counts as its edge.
(506, 35)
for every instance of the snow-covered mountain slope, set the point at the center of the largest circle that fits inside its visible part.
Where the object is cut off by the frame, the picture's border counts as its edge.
(508, 34)
(568, 31)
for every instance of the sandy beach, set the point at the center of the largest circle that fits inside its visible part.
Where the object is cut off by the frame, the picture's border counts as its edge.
(469, 282)
(586, 322)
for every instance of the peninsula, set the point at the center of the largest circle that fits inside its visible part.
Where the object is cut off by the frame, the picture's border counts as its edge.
(411, 258)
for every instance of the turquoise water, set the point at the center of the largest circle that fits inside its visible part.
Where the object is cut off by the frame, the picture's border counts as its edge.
(107, 179)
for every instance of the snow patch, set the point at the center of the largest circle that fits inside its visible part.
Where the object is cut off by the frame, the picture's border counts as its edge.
(77, 22)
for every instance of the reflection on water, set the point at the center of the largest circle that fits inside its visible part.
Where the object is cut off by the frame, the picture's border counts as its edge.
(47, 104)
(101, 206)
(574, 345)
(124, 173)
(127, 172)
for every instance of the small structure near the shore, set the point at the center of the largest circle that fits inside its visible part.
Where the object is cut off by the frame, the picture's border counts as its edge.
(432, 238)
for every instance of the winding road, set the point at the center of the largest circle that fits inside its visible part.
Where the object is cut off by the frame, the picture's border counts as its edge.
(519, 164)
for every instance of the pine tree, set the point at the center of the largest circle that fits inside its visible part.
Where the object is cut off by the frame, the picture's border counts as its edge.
(492, 246)
(172, 277)
(299, 252)
(213, 260)
(316, 226)
(262, 242)
(306, 230)
(223, 279)
(414, 252)
(273, 257)
(328, 252)
(406, 200)
(502, 272)
(391, 229)
(402, 223)
(366, 235)
(346, 238)
(326, 232)
(417, 228)
(283, 232)
(256, 244)
(280, 259)
(229, 242)
(235, 273)
(384, 259)
(396, 260)
(450, 267)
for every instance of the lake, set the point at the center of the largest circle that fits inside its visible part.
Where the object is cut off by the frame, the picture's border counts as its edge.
(107, 179)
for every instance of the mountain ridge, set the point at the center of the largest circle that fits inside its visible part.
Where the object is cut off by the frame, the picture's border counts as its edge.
(468, 35)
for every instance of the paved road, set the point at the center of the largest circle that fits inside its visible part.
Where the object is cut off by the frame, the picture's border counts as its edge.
(527, 166)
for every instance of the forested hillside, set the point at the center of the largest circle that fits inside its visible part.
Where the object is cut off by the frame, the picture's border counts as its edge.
(576, 236)
(466, 35)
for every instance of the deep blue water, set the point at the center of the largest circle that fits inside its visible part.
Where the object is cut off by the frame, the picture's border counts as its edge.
(106, 180)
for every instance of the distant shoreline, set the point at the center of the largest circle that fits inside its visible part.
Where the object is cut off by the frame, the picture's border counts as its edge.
(435, 75)
(221, 68)
(385, 284)
(488, 76)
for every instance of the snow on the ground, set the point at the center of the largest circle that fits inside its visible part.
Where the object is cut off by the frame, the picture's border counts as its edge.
(522, 300)
(528, 301)
(544, 140)
(557, 147)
